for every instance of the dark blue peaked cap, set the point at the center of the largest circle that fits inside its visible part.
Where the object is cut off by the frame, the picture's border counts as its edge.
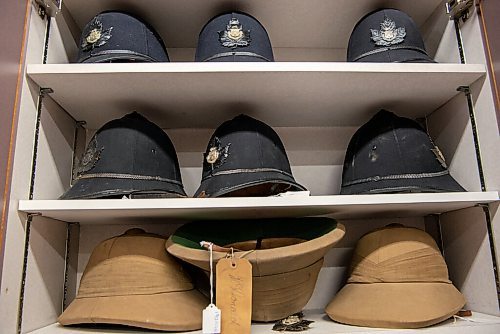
(120, 37)
(387, 35)
(234, 36)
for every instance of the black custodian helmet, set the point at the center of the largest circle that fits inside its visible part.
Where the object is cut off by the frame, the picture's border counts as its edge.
(245, 157)
(234, 37)
(392, 154)
(129, 156)
(120, 37)
(387, 35)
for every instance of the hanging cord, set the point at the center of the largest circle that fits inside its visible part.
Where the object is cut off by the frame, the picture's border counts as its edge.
(210, 246)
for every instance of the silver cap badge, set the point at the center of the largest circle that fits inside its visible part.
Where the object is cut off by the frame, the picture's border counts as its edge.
(96, 36)
(388, 34)
(234, 35)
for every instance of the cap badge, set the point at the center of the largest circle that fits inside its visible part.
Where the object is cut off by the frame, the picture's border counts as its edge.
(217, 154)
(292, 323)
(388, 34)
(97, 36)
(234, 35)
(90, 158)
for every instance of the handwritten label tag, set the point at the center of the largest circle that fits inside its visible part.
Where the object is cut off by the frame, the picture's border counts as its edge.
(211, 320)
(234, 295)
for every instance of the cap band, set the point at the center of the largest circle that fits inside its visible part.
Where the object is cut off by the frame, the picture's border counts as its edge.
(389, 48)
(247, 170)
(395, 177)
(228, 54)
(421, 265)
(132, 275)
(127, 176)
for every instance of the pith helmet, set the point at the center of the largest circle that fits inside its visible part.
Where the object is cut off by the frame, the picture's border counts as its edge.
(131, 280)
(387, 35)
(245, 157)
(394, 154)
(398, 279)
(120, 37)
(286, 256)
(128, 156)
(234, 37)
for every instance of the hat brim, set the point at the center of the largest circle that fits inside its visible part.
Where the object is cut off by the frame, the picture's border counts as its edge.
(395, 305)
(172, 311)
(107, 187)
(443, 183)
(265, 261)
(219, 185)
(117, 56)
(236, 58)
(398, 56)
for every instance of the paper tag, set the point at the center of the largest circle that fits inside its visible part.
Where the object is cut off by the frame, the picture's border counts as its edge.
(211, 320)
(234, 295)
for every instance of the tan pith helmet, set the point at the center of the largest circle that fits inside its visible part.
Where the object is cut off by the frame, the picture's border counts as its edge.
(131, 280)
(398, 279)
(286, 256)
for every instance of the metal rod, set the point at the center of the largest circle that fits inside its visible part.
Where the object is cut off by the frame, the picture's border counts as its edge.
(32, 188)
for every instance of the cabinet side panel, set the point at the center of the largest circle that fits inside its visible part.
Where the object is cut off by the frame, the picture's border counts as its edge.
(44, 287)
(21, 176)
(55, 151)
(486, 121)
(467, 253)
(450, 127)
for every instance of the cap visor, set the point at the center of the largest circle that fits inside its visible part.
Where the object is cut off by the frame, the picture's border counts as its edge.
(220, 185)
(106, 187)
(395, 305)
(444, 183)
(398, 56)
(172, 311)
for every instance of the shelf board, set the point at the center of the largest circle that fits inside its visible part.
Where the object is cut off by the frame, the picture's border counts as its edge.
(478, 323)
(118, 211)
(290, 23)
(203, 95)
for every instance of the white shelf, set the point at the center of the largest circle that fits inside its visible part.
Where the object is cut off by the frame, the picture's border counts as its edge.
(118, 211)
(203, 95)
(478, 323)
(290, 23)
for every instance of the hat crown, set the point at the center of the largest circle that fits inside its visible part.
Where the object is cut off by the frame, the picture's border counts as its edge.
(395, 255)
(234, 36)
(117, 36)
(132, 263)
(382, 29)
